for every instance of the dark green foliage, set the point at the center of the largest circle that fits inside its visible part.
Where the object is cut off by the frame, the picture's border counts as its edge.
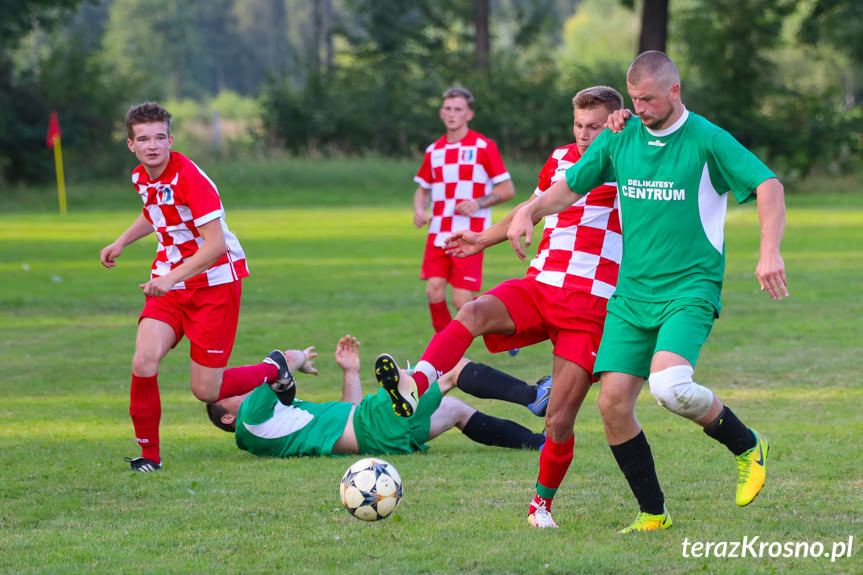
(734, 84)
(18, 17)
(404, 59)
(19, 106)
(379, 88)
(88, 103)
(836, 22)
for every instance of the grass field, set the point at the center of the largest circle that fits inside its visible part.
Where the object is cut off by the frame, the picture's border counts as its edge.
(332, 251)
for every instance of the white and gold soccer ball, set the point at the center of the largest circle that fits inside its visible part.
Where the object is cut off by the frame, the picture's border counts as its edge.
(371, 489)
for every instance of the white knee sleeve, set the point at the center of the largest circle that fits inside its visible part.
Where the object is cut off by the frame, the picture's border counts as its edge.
(674, 389)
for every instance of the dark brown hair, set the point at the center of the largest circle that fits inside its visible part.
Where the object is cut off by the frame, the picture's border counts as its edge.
(216, 411)
(146, 113)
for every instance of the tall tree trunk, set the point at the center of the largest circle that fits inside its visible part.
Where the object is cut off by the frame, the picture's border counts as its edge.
(328, 33)
(317, 35)
(482, 43)
(654, 26)
(279, 55)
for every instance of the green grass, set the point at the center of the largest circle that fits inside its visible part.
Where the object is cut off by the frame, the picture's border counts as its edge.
(332, 250)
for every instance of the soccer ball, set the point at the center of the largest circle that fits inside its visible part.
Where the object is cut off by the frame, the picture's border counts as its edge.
(371, 489)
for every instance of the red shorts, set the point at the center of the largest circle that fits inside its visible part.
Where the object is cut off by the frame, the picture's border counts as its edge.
(572, 320)
(208, 316)
(462, 273)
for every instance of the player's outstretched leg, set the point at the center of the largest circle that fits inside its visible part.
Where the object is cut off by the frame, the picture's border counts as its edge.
(751, 470)
(647, 522)
(399, 385)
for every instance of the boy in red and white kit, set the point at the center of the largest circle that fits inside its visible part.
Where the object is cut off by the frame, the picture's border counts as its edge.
(194, 287)
(563, 298)
(463, 175)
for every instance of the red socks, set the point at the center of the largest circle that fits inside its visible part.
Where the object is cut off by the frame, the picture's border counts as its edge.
(240, 380)
(440, 315)
(554, 460)
(442, 354)
(145, 407)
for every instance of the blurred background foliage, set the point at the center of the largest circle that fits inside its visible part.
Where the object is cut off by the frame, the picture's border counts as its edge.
(360, 78)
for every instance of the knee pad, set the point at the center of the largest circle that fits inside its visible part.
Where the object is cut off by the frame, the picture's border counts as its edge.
(674, 390)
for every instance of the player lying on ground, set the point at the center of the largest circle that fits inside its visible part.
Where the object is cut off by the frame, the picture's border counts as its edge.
(264, 426)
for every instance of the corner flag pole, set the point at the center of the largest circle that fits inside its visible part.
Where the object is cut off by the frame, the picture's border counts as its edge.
(53, 141)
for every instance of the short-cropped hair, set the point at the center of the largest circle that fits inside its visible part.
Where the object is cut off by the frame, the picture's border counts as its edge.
(216, 411)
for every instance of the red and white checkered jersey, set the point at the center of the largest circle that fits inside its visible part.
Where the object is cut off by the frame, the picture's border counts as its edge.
(182, 199)
(582, 245)
(457, 172)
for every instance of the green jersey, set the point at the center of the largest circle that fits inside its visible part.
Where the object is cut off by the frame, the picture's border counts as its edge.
(673, 187)
(266, 427)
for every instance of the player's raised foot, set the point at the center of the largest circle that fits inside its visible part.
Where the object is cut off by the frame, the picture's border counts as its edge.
(540, 517)
(284, 386)
(647, 522)
(543, 393)
(514, 352)
(751, 469)
(143, 464)
(398, 383)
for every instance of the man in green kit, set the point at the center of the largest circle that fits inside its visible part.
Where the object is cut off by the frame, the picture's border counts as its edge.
(674, 170)
(271, 426)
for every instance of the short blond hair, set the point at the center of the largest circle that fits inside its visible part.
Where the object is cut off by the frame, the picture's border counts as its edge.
(597, 96)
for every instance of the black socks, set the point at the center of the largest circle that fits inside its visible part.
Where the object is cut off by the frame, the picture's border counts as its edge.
(636, 462)
(730, 432)
(486, 382)
(490, 430)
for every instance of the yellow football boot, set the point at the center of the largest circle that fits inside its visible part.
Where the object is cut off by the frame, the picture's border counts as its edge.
(751, 467)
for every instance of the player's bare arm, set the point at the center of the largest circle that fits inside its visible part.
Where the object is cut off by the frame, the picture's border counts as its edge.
(210, 251)
(501, 193)
(556, 199)
(348, 357)
(466, 243)
(771, 215)
(421, 203)
(139, 229)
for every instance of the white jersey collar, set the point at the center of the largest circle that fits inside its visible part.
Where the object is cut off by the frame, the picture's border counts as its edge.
(671, 129)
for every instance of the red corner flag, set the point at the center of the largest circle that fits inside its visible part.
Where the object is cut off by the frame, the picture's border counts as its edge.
(53, 130)
(53, 141)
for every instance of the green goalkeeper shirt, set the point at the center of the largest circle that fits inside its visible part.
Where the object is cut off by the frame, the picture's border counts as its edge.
(673, 188)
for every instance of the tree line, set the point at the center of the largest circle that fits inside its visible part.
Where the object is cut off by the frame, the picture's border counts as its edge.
(365, 76)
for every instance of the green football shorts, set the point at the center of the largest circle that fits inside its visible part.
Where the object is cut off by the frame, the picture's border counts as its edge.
(636, 330)
(379, 430)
